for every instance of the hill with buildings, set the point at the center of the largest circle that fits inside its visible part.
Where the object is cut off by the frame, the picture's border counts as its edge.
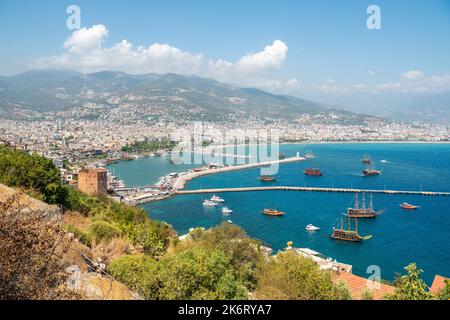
(189, 97)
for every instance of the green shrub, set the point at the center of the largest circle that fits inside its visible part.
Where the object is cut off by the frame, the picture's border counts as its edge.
(102, 230)
(289, 276)
(79, 234)
(31, 172)
(152, 236)
(244, 253)
(192, 274)
(410, 286)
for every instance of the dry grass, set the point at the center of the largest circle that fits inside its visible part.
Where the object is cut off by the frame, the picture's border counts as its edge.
(77, 220)
(107, 251)
(32, 255)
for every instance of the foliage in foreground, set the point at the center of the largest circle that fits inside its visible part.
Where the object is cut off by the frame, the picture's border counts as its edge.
(31, 263)
(410, 286)
(289, 276)
(192, 274)
(32, 172)
(245, 254)
(444, 294)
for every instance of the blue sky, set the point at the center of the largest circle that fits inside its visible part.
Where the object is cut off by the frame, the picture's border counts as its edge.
(324, 49)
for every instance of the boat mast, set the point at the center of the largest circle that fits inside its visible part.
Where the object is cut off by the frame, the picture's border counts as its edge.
(356, 225)
(364, 201)
(371, 202)
(356, 201)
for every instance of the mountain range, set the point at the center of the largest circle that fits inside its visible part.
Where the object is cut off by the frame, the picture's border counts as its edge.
(58, 90)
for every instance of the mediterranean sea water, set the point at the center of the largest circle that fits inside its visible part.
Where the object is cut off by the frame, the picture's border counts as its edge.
(399, 236)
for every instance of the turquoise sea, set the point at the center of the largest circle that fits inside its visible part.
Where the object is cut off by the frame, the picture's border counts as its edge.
(399, 236)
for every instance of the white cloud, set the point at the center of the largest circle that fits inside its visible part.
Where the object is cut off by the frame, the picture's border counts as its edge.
(412, 75)
(272, 57)
(370, 72)
(85, 40)
(86, 53)
(388, 86)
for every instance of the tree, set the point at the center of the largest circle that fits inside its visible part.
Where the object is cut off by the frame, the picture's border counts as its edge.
(410, 286)
(289, 276)
(31, 172)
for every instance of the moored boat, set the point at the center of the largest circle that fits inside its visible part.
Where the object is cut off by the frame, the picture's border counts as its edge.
(366, 159)
(209, 203)
(266, 178)
(313, 172)
(371, 172)
(309, 155)
(361, 211)
(215, 198)
(347, 234)
(226, 210)
(311, 227)
(272, 212)
(408, 206)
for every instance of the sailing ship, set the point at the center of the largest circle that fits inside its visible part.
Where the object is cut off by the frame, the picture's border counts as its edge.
(272, 212)
(313, 172)
(347, 234)
(266, 178)
(361, 211)
(366, 159)
(370, 171)
(309, 155)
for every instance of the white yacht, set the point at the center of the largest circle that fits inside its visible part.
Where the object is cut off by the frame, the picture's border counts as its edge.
(215, 198)
(226, 210)
(209, 203)
(311, 227)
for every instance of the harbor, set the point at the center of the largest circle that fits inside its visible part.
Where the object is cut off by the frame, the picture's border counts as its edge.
(409, 175)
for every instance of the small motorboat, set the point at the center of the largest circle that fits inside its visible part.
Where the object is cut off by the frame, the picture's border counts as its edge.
(215, 198)
(313, 172)
(272, 212)
(408, 206)
(267, 178)
(226, 210)
(311, 227)
(230, 222)
(209, 203)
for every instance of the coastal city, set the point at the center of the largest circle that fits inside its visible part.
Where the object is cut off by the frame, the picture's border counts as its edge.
(75, 144)
(223, 150)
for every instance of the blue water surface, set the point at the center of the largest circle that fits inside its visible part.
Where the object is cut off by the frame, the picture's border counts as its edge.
(399, 237)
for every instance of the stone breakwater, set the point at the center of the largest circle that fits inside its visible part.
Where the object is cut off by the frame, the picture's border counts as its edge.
(180, 181)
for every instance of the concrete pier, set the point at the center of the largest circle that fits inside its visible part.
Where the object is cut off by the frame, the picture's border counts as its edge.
(180, 182)
(311, 189)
